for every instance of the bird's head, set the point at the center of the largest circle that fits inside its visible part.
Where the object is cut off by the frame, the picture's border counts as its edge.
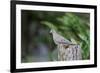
(52, 31)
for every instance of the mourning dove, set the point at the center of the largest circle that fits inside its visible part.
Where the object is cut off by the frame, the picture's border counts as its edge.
(59, 39)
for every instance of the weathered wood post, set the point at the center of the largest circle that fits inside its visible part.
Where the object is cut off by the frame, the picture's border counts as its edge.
(69, 52)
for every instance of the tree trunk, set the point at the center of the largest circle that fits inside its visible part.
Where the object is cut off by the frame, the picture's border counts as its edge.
(69, 52)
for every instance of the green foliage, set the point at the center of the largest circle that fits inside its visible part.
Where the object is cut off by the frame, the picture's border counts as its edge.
(75, 28)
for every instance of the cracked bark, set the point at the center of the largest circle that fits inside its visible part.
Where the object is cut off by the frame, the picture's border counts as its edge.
(69, 52)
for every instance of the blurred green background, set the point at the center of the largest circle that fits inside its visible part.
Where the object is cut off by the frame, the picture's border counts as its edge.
(37, 44)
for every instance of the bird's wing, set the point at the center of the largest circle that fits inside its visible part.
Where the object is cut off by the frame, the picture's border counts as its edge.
(61, 39)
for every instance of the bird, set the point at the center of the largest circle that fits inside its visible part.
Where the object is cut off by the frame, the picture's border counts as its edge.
(72, 52)
(59, 39)
(66, 49)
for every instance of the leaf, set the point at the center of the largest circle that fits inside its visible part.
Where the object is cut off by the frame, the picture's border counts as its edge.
(73, 41)
(50, 25)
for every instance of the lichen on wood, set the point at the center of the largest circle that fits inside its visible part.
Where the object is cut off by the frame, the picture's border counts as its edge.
(69, 52)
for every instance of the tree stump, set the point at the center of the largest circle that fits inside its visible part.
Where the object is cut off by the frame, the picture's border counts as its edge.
(69, 52)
